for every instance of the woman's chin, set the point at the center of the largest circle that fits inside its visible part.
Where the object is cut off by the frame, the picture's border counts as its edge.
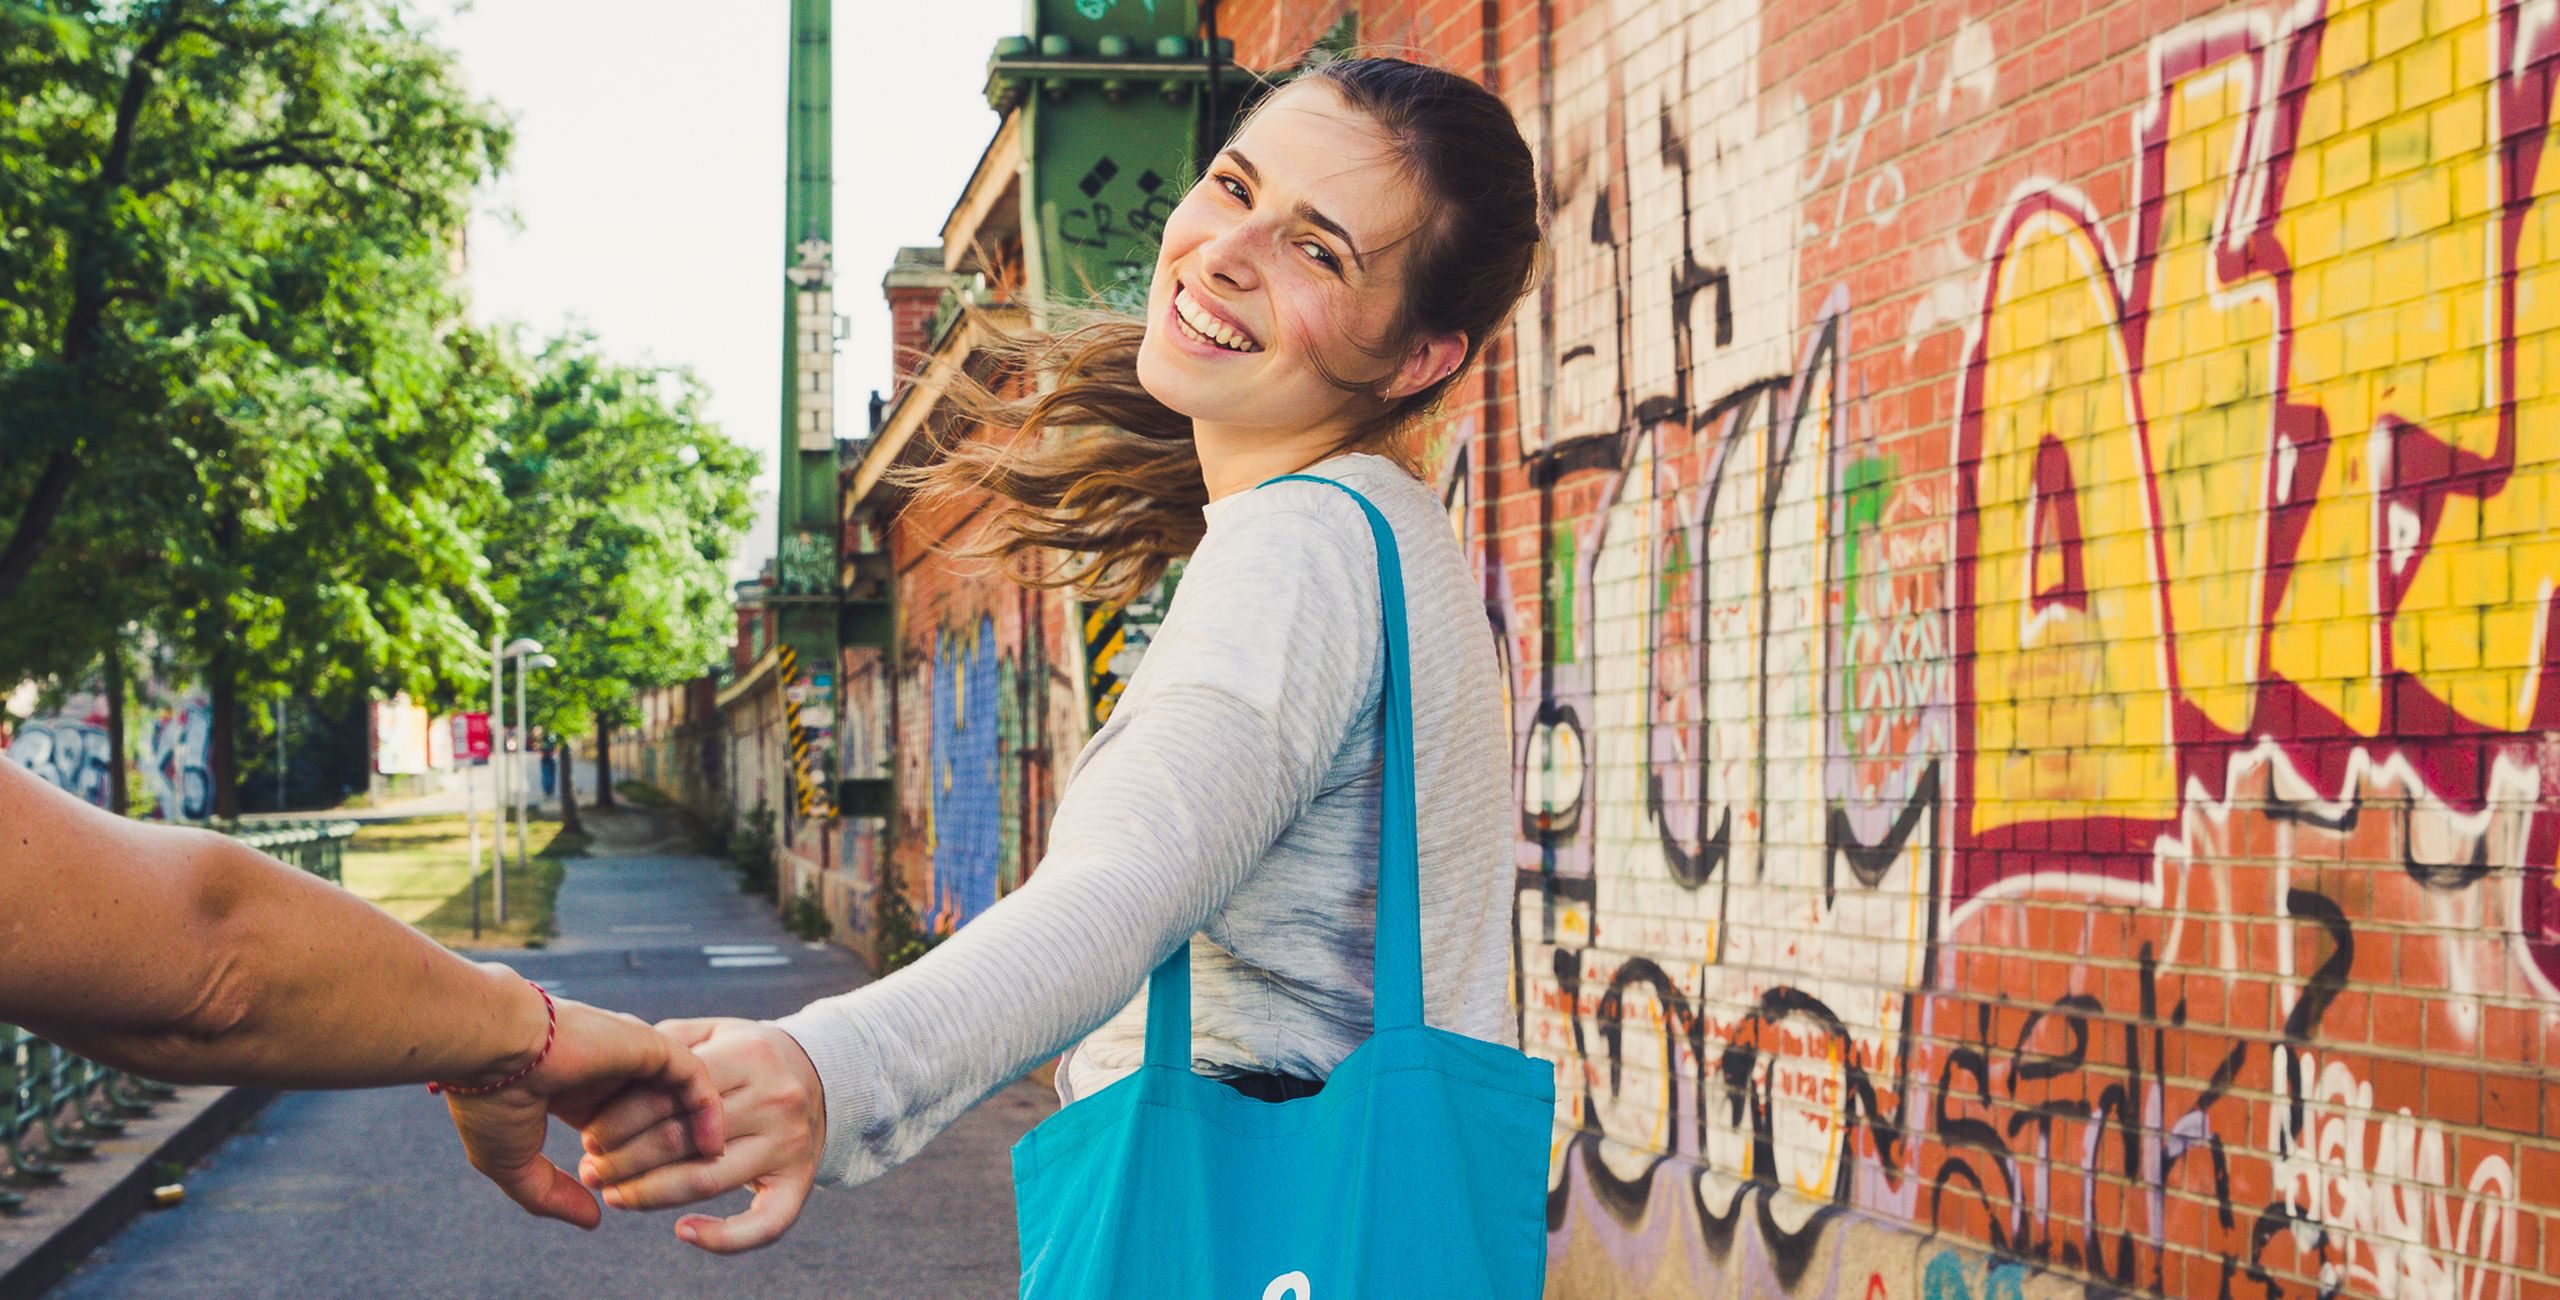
(1163, 379)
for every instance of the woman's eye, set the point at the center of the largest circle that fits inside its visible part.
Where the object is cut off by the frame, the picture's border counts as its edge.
(1322, 255)
(1234, 188)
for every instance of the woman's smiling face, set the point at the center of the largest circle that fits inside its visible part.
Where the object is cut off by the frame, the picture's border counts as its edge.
(1291, 248)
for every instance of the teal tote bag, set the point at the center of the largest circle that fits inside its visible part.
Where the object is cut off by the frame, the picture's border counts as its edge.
(1418, 1172)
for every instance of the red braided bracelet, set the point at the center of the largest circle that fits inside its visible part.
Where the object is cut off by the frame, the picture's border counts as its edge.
(551, 1013)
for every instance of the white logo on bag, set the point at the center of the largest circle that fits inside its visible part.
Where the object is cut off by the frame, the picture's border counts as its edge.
(1289, 1286)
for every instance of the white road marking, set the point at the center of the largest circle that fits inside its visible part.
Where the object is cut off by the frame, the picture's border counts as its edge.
(767, 959)
(736, 949)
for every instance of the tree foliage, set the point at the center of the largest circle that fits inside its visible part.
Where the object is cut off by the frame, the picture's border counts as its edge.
(243, 413)
(622, 507)
(149, 154)
(238, 403)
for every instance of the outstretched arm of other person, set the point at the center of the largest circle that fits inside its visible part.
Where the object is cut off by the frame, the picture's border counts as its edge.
(187, 956)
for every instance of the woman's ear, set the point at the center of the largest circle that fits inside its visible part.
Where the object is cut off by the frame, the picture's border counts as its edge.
(1430, 361)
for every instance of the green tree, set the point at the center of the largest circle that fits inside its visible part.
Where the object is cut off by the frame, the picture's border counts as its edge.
(622, 507)
(235, 403)
(335, 548)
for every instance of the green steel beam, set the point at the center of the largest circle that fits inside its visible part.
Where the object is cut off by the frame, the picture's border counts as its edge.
(1111, 95)
(806, 500)
(805, 553)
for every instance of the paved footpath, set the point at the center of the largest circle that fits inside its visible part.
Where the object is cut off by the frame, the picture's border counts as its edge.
(366, 1193)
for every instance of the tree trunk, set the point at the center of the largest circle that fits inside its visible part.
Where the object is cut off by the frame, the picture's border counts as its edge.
(84, 328)
(117, 800)
(35, 522)
(222, 672)
(223, 755)
(605, 763)
(570, 824)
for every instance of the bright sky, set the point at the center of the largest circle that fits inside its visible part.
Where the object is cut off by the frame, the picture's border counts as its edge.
(647, 182)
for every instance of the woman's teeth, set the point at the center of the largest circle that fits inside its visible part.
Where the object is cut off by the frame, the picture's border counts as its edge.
(1197, 321)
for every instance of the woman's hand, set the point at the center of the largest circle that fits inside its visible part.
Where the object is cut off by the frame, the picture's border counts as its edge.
(595, 1056)
(642, 1155)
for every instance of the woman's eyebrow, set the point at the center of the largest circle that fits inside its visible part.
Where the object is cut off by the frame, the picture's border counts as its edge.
(1305, 210)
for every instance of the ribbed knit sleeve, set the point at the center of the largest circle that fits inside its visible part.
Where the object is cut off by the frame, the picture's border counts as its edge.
(1219, 742)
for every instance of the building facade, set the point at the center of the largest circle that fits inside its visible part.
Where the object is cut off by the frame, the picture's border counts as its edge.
(677, 746)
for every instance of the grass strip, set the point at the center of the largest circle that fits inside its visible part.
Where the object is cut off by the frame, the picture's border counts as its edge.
(419, 870)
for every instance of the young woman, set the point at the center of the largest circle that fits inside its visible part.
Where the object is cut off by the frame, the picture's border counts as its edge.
(1333, 272)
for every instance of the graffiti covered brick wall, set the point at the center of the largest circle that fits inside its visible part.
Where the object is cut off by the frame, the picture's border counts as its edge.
(71, 748)
(2022, 538)
(985, 692)
(168, 746)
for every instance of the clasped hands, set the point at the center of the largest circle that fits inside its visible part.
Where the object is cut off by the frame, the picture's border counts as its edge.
(668, 1116)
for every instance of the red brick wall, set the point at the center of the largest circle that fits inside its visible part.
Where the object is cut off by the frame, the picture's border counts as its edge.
(910, 322)
(2018, 534)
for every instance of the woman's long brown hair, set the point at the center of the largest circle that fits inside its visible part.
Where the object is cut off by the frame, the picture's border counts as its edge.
(1103, 471)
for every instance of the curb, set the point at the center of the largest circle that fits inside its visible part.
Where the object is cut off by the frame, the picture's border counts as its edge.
(35, 1272)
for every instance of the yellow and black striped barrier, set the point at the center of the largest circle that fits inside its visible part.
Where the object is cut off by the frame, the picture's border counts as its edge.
(806, 793)
(1106, 629)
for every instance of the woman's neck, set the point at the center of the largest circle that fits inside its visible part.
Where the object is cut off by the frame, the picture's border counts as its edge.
(1232, 460)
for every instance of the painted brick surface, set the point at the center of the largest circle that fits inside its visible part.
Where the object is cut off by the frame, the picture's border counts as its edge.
(2022, 541)
(982, 711)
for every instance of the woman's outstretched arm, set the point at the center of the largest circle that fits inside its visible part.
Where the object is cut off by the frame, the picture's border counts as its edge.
(187, 956)
(1263, 662)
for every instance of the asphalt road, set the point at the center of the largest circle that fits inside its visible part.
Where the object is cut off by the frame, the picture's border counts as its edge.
(366, 1193)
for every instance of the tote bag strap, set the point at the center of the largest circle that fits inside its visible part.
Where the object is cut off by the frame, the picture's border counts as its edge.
(1397, 978)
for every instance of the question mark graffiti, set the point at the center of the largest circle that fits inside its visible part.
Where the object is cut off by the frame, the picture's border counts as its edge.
(1289, 1286)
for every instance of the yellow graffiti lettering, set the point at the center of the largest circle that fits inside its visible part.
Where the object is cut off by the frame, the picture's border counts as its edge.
(2469, 624)
(2387, 220)
(2072, 697)
(2208, 388)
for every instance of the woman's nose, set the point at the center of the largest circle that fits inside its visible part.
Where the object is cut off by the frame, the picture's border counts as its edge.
(1231, 257)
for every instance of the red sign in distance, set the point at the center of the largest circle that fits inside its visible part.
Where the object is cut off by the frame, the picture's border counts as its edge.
(471, 737)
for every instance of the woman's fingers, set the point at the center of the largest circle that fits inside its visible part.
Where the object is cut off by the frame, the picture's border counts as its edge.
(642, 1149)
(662, 1143)
(694, 1091)
(776, 1208)
(626, 1117)
(686, 1182)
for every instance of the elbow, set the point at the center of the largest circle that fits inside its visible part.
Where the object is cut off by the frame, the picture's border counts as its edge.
(194, 1011)
(210, 1037)
(223, 1006)
(215, 1006)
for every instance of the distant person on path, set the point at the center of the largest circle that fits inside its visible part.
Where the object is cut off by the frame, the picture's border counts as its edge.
(1319, 291)
(550, 769)
(186, 956)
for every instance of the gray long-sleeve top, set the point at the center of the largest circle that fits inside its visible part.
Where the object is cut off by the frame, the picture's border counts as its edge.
(1231, 799)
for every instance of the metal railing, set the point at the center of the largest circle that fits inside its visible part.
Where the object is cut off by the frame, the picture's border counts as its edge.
(56, 1106)
(316, 847)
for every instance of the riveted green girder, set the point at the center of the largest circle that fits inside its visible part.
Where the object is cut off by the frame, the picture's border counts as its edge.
(1113, 95)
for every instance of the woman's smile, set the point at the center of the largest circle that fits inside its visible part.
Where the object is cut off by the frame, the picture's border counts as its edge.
(1207, 329)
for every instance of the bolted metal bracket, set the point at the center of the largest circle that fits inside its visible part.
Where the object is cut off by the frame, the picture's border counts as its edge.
(1115, 67)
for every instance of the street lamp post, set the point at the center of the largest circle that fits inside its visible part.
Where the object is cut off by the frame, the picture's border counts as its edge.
(524, 725)
(498, 657)
(497, 770)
